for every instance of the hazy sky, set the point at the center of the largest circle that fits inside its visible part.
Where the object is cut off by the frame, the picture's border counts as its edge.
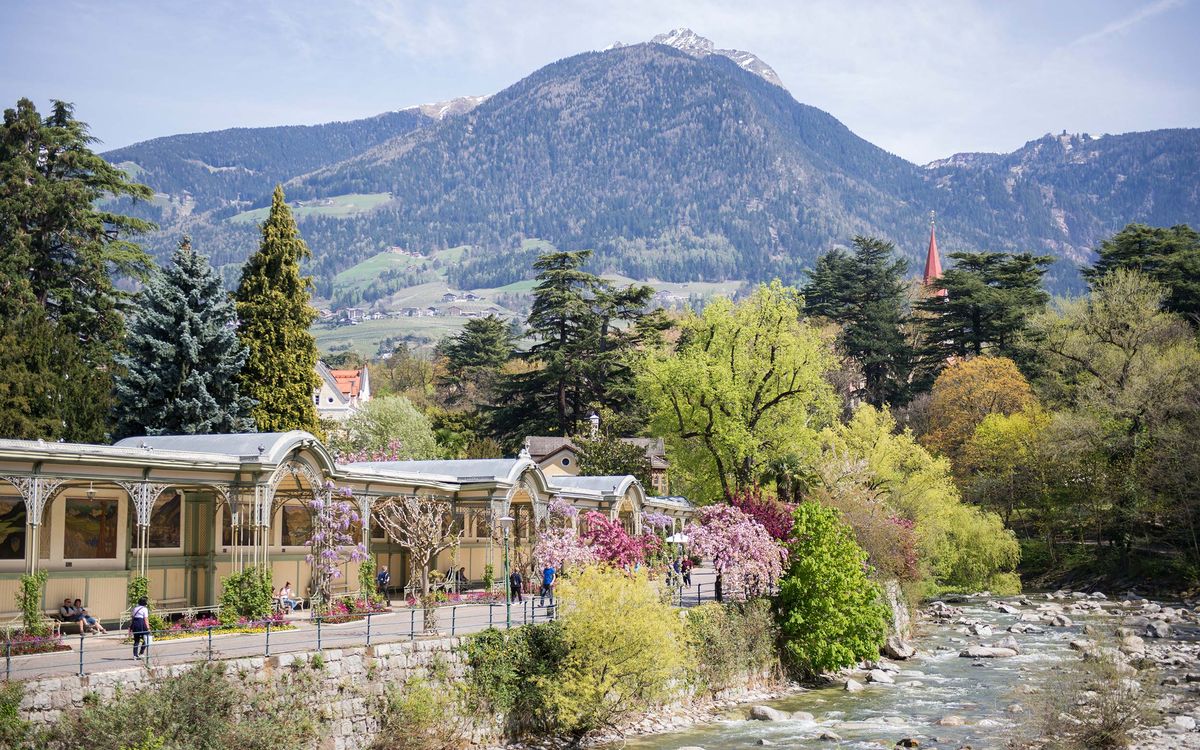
(922, 79)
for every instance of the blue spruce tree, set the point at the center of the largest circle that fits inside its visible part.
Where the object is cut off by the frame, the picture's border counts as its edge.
(183, 356)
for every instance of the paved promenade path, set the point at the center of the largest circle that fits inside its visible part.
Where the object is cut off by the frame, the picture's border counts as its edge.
(99, 653)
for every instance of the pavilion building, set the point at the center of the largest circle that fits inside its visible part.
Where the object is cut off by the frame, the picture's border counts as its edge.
(188, 510)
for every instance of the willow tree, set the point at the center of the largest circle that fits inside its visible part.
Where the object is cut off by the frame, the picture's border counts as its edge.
(274, 315)
(745, 384)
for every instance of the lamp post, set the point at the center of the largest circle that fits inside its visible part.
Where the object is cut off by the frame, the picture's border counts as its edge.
(506, 522)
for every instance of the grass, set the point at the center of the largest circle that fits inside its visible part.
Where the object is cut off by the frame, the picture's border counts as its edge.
(338, 206)
(371, 268)
(364, 338)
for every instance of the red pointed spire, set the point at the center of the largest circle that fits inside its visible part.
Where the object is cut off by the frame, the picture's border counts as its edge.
(933, 264)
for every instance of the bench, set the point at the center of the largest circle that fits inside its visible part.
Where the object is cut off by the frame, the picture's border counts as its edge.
(13, 620)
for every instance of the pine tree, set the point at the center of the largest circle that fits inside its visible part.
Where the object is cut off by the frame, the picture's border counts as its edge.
(864, 292)
(473, 358)
(989, 300)
(274, 316)
(580, 361)
(183, 357)
(59, 309)
(1170, 256)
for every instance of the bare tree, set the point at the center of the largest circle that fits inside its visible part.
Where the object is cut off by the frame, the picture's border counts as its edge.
(425, 527)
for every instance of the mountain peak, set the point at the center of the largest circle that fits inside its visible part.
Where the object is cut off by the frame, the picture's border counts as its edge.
(695, 45)
(456, 106)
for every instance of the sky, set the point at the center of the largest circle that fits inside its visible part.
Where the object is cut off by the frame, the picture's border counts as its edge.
(923, 79)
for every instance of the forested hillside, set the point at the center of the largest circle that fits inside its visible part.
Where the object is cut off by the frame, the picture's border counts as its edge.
(667, 164)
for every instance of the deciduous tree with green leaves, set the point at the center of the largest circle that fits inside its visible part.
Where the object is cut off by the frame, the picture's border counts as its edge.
(831, 614)
(59, 309)
(183, 355)
(745, 383)
(274, 315)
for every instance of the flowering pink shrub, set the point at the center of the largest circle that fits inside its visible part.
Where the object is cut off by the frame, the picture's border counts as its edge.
(610, 542)
(562, 549)
(741, 549)
(776, 516)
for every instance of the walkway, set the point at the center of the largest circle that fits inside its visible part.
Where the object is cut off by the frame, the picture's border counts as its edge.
(99, 653)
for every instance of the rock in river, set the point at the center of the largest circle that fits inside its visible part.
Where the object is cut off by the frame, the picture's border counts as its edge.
(766, 713)
(986, 652)
(897, 648)
(854, 686)
(878, 675)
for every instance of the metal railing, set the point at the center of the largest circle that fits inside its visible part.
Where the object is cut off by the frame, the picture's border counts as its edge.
(88, 654)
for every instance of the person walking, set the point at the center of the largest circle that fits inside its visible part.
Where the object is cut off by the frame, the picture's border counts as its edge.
(514, 586)
(548, 579)
(139, 628)
(382, 579)
(687, 572)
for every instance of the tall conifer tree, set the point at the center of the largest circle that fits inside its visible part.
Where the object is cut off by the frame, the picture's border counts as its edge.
(59, 309)
(274, 315)
(184, 356)
(864, 293)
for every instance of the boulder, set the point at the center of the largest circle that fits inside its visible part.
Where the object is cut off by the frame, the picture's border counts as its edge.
(1061, 621)
(1099, 595)
(764, 741)
(766, 713)
(1007, 609)
(1008, 642)
(908, 742)
(983, 630)
(1081, 644)
(1186, 723)
(897, 648)
(802, 716)
(1158, 629)
(987, 652)
(951, 721)
(878, 675)
(830, 737)
(854, 686)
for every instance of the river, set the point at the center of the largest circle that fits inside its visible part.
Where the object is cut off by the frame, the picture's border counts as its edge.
(994, 698)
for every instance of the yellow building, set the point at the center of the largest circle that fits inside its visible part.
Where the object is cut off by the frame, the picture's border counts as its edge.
(188, 510)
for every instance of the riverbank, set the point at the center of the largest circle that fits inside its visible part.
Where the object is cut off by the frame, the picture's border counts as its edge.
(984, 673)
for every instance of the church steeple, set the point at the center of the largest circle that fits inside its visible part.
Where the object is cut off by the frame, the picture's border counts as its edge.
(933, 263)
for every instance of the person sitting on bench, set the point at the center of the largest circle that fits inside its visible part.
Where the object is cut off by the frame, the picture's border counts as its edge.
(88, 623)
(68, 613)
(287, 599)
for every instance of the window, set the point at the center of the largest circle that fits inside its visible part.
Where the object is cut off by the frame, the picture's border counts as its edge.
(12, 528)
(164, 522)
(91, 529)
(566, 461)
(297, 525)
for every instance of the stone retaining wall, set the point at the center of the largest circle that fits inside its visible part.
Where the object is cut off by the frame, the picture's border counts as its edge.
(346, 694)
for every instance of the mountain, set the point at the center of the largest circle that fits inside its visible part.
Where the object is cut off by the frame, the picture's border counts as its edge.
(672, 159)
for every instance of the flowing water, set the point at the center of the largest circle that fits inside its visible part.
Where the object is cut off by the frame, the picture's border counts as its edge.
(993, 697)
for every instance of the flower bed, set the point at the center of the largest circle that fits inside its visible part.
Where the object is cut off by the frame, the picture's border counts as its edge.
(351, 610)
(192, 628)
(20, 644)
(468, 597)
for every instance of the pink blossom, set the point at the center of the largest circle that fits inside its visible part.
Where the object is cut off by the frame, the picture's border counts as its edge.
(562, 549)
(741, 549)
(611, 543)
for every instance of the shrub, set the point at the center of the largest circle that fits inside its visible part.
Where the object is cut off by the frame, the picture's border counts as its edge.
(138, 587)
(1098, 708)
(248, 593)
(624, 648)
(830, 613)
(421, 715)
(731, 642)
(29, 601)
(200, 709)
(513, 673)
(366, 579)
(15, 732)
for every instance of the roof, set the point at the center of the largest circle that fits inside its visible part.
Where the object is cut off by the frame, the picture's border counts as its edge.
(540, 446)
(267, 447)
(672, 500)
(656, 450)
(349, 382)
(933, 263)
(611, 485)
(470, 469)
(327, 375)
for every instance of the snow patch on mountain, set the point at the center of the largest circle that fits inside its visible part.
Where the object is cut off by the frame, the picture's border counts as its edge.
(692, 43)
(442, 110)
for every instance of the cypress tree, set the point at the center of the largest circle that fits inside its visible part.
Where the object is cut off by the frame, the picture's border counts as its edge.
(184, 356)
(59, 309)
(274, 315)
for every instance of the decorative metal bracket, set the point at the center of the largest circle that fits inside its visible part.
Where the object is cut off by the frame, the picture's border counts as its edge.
(36, 491)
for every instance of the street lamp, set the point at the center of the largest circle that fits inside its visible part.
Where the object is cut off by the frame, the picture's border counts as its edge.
(506, 522)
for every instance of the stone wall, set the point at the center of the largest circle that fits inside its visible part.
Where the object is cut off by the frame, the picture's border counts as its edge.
(346, 693)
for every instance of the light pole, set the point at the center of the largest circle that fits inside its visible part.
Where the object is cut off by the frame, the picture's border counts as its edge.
(506, 522)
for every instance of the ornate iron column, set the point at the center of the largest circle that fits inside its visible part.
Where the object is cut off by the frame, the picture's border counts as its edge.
(36, 491)
(142, 495)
